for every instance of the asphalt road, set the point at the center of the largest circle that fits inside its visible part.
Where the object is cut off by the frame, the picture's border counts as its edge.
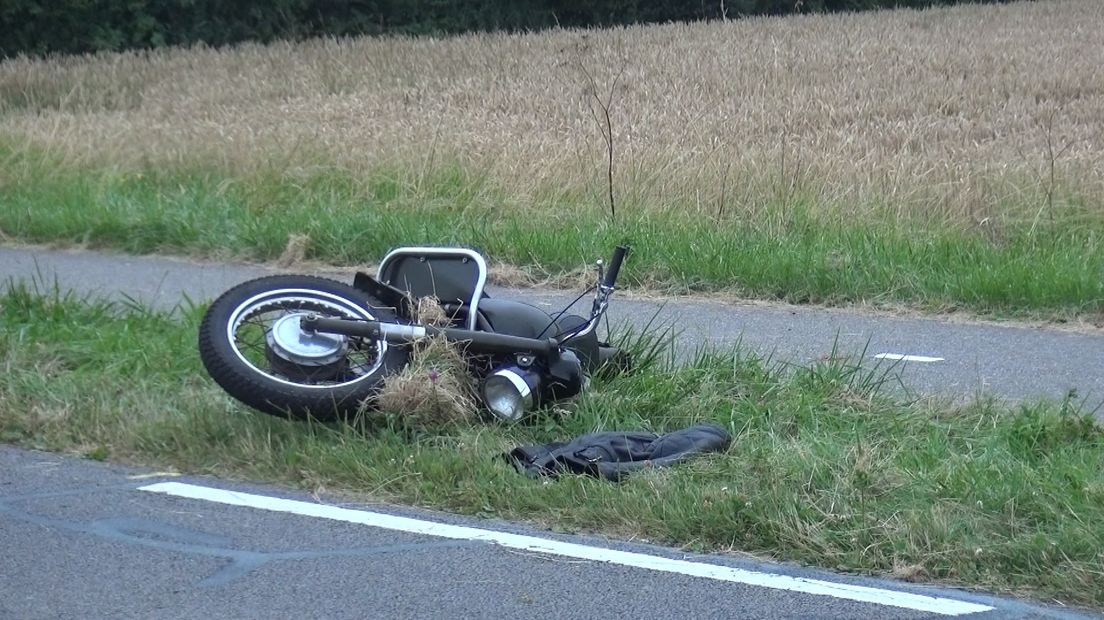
(79, 539)
(1009, 361)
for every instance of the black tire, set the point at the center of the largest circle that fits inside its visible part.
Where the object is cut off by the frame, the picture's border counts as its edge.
(251, 376)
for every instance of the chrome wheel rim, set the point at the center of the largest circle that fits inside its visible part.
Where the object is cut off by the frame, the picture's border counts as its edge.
(249, 332)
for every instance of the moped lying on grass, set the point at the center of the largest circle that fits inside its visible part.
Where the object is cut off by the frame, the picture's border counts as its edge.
(293, 345)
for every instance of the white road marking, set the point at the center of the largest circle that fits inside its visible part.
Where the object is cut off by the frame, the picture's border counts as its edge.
(918, 602)
(907, 358)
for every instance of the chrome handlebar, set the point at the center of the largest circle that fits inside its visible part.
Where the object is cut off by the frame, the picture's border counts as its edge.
(607, 280)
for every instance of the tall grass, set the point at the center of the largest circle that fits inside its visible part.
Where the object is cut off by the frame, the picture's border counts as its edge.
(972, 115)
(790, 252)
(946, 158)
(824, 468)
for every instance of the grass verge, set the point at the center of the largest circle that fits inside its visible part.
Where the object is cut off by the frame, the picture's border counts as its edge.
(824, 469)
(791, 248)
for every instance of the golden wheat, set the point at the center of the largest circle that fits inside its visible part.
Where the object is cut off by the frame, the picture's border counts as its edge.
(958, 111)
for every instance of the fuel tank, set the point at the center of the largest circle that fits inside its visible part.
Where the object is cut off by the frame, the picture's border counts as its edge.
(521, 319)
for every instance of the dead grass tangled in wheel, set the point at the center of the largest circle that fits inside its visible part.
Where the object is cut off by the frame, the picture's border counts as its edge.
(436, 389)
(965, 113)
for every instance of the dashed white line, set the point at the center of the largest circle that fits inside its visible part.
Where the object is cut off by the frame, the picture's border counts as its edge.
(879, 596)
(907, 358)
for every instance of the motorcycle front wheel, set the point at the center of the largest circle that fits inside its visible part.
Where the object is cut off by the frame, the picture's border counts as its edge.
(251, 345)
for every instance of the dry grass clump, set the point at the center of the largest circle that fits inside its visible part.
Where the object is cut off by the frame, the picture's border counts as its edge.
(956, 112)
(428, 311)
(295, 252)
(436, 389)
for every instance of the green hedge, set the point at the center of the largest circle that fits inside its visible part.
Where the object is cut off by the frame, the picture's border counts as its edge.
(78, 26)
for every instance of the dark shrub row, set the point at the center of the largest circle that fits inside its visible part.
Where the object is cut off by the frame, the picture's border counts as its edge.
(76, 26)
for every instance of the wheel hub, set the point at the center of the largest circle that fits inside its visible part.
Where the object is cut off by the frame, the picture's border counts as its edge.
(289, 342)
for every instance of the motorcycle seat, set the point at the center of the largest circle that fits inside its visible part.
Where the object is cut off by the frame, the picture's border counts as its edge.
(452, 275)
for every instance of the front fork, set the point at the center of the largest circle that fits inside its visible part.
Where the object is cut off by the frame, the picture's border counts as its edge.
(475, 341)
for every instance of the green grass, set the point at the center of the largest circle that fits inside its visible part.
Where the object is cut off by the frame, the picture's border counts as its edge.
(787, 248)
(824, 468)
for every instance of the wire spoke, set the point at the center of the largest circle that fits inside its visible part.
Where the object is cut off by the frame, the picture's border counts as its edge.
(258, 322)
(251, 345)
(252, 340)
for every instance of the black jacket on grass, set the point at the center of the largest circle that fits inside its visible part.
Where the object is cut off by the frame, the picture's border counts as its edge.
(612, 455)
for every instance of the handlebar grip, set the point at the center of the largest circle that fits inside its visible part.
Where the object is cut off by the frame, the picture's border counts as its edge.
(615, 266)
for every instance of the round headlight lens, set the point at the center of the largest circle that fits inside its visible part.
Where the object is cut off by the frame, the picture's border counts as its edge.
(507, 395)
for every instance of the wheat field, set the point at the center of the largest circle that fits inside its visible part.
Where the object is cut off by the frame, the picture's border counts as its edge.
(967, 114)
